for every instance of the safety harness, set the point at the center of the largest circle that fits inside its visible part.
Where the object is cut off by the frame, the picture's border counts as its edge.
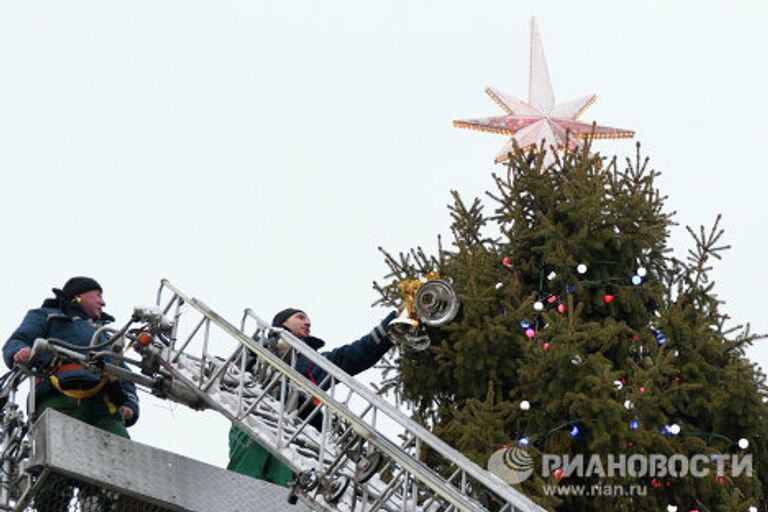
(80, 394)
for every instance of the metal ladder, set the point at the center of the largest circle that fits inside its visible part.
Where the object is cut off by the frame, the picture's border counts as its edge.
(350, 464)
(365, 456)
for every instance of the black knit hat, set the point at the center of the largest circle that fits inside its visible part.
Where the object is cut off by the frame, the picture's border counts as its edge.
(79, 285)
(284, 315)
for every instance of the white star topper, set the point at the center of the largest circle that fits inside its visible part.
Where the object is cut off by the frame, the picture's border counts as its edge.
(540, 119)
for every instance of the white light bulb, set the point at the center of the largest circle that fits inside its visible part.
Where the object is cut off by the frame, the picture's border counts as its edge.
(641, 271)
(743, 443)
(499, 285)
(675, 429)
(552, 275)
(671, 508)
(538, 305)
(618, 384)
(525, 405)
(628, 404)
(582, 268)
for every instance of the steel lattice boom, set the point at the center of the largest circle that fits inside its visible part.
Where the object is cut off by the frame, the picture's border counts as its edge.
(364, 456)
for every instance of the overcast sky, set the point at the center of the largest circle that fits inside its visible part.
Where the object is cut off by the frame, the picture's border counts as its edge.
(257, 153)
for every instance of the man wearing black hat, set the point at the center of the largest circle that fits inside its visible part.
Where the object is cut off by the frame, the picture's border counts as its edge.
(245, 455)
(73, 315)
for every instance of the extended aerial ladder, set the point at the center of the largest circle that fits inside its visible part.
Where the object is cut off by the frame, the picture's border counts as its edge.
(366, 455)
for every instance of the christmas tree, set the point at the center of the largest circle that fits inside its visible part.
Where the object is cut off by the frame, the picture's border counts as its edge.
(580, 333)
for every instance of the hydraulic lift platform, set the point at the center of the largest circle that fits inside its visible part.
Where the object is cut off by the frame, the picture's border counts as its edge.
(76, 467)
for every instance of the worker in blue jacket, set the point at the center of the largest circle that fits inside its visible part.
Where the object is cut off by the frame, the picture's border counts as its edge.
(248, 457)
(73, 316)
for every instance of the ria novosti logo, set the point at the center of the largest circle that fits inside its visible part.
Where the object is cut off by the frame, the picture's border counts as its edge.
(514, 465)
(511, 465)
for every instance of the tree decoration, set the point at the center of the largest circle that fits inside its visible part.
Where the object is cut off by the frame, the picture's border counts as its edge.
(540, 121)
(554, 221)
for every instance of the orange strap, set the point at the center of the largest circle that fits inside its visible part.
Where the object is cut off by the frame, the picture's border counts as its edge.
(66, 367)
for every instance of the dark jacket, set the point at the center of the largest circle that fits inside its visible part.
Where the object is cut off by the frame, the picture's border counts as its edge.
(67, 321)
(353, 358)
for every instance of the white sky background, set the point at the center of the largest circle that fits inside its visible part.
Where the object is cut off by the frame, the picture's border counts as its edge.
(257, 153)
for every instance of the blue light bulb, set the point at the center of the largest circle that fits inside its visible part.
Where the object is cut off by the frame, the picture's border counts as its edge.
(523, 441)
(634, 424)
(575, 431)
(525, 324)
(637, 280)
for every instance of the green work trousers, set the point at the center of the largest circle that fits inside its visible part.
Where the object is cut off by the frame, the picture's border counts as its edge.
(93, 411)
(248, 458)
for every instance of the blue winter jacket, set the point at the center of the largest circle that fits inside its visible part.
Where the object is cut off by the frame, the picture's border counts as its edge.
(67, 322)
(354, 358)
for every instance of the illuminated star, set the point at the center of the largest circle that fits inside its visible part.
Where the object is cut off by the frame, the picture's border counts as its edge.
(540, 119)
